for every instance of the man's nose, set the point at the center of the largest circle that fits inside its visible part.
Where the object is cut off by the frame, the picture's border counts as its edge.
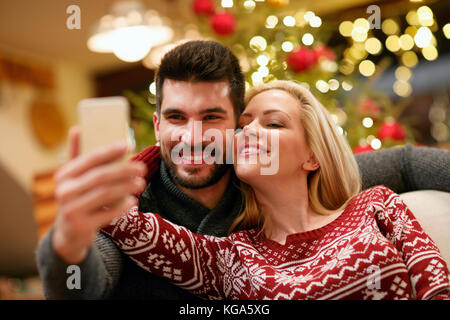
(192, 133)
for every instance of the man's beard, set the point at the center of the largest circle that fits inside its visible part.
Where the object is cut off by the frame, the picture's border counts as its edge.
(217, 171)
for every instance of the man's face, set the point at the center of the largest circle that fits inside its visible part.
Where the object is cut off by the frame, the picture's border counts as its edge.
(185, 107)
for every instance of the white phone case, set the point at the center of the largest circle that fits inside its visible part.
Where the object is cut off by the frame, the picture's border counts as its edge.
(103, 122)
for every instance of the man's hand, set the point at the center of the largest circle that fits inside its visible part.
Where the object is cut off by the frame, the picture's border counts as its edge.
(92, 190)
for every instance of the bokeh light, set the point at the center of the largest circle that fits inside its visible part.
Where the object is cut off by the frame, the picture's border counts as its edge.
(289, 21)
(425, 16)
(406, 42)
(347, 86)
(367, 122)
(393, 43)
(367, 68)
(333, 84)
(152, 88)
(258, 43)
(403, 73)
(402, 88)
(315, 22)
(412, 18)
(409, 59)
(287, 46)
(345, 28)
(322, 86)
(271, 22)
(390, 27)
(375, 143)
(359, 34)
(307, 39)
(423, 37)
(446, 30)
(430, 53)
(262, 60)
(373, 45)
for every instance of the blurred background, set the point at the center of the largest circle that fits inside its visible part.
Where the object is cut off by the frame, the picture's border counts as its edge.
(382, 68)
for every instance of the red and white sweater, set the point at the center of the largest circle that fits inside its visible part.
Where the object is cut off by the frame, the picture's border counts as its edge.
(375, 249)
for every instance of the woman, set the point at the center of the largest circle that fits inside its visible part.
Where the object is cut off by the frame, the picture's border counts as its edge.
(318, 237)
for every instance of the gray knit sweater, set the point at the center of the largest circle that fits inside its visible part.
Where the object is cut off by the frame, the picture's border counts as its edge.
(106, 273)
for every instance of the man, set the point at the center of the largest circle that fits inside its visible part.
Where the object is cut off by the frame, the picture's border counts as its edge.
(197, 81)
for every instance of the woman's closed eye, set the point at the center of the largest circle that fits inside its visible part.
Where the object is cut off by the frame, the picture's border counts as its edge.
(275, 125)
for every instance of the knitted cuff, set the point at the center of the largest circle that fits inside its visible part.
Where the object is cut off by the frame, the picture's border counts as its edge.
(151, 157)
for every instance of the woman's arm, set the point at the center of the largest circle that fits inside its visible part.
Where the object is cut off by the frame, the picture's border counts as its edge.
(173, 252)
(427, 269)
(406, 168)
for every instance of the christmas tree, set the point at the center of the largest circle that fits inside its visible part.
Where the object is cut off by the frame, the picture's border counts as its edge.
(339, 61)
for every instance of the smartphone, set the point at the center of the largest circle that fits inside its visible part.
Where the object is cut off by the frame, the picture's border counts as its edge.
(103, 122)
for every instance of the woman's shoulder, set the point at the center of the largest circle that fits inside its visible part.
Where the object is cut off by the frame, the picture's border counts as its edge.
(378, 196)
(376, 192)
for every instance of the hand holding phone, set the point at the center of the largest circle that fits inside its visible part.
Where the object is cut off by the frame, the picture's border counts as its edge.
(96, 187)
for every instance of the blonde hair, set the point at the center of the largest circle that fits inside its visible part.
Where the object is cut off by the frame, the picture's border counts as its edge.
(337, 179)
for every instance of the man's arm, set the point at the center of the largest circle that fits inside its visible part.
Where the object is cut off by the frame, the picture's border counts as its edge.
(406, 168)
(90, 191)
(99, 271)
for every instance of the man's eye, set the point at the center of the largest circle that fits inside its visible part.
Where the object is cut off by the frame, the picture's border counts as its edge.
(211, 117)
(175, 117)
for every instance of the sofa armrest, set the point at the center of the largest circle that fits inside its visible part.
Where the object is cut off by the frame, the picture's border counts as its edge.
(432, 209)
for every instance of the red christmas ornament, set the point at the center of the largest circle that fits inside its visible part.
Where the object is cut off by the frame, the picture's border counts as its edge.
(363, 149)
(323, 51)
(370, 106)
(223, 23)
(301, 59)
(203, 7)
(391, 129)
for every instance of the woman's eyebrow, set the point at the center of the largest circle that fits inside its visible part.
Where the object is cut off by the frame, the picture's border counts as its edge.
(276, 110)
(246, 114)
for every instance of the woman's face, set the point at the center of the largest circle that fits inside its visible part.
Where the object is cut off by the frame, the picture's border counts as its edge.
(268, 114)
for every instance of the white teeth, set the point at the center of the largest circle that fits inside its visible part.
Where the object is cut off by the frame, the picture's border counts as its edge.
(250, 150)
(191, 157)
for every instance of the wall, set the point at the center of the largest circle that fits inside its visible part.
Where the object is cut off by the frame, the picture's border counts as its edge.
(20, 151)
(22, 156)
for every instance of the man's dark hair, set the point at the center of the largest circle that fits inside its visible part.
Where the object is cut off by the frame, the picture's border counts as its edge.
(207, 61)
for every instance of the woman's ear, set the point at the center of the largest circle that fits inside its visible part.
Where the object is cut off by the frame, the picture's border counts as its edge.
(311, 164)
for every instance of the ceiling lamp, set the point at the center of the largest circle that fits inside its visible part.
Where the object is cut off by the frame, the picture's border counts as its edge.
(153, 59)
(129, 31)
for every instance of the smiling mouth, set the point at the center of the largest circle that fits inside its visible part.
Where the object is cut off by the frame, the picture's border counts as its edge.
(252, 149)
